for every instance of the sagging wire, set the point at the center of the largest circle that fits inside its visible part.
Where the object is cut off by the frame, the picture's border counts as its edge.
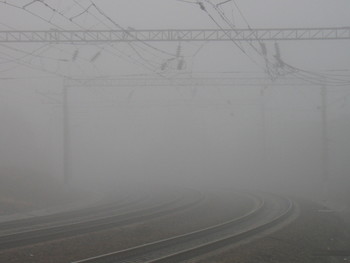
(31, 66)
(128, 57)
(158, 65)
(202, 7)
(316, 78)
(61, 14)
(30, 3)
(81, 13)
(32, 13)
(280, 64)
(149, 66)
(75, 55)
(126, 31)
(58, 27)
(121, 28)
(188, 2)
(32, 53)
(268, 64)
(178, 60)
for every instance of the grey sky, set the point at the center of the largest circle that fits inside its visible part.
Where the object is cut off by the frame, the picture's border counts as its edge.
(162, 14)
(161, 131)
(177, 14)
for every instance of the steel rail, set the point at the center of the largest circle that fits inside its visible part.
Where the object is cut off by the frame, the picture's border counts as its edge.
(218, 244)
(136, 253)
(139, 253)
(107, 207)
(83, 227)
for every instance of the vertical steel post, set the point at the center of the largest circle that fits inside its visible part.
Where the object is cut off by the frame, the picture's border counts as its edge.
(66, 135)
(325, 147)
(264, 158)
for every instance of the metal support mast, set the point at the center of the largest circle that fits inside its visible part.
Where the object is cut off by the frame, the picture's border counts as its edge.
(66, 136)
(264, 158)
(325, 147)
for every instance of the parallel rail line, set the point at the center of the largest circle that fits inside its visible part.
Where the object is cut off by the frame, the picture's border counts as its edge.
(83, 227)
(102, 208)
(214, 245)
(196, 243)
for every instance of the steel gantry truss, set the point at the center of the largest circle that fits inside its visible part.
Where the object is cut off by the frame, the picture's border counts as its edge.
(100, 36)
(187, 82)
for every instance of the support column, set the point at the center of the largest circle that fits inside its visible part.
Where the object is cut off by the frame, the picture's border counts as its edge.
(325, 147)
(66, 136)
(264, 158)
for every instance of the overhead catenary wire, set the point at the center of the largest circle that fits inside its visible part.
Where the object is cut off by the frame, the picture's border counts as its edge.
(33, 14)
(80, 25)
(31, 66)
(128, 57)
(110, 20)
(136, 62)
(118, 26)
(19, 60)
(287, 70)
(281, 63)
(126, 31)
(268, 64)
(202, 7)
(32, 53)
(51, 46)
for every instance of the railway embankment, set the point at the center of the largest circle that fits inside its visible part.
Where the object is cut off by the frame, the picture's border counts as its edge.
(213, 210)
(313, 237)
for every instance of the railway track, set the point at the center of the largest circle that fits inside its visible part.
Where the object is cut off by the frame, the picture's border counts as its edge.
(268, 212)
(154, 209)
(99, 209)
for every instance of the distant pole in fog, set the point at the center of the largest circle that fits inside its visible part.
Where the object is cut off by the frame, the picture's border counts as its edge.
(325, 147)
(263, 131)
(65, 136)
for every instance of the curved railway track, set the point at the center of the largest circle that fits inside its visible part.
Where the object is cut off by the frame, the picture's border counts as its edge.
(268, 212)
(109, 219)
(101, 209)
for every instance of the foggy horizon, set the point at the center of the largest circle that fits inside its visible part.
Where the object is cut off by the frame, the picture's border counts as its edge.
(190, 136)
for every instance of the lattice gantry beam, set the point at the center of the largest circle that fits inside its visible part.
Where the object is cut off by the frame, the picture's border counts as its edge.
(186, 82)
(99, 36)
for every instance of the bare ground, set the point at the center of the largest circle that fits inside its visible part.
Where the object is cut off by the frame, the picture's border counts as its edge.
(213, 210)
(299, 242)
(20, 194)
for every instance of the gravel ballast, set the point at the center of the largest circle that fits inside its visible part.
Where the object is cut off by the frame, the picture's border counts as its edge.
(215, 209)
(314, 230)
(297, 242)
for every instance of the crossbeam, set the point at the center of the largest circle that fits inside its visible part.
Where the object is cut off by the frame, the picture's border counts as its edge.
(186, 82)
(166, 35)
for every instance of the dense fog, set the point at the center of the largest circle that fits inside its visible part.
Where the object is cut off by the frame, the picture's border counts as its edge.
(267, 137)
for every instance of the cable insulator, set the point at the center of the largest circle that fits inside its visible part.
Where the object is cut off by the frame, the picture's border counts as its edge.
(263, 48)
(93, 59)
(75, 55)
(180, 64)
(178, 51)
(277, 49)
(201, 5)
(163, 66)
